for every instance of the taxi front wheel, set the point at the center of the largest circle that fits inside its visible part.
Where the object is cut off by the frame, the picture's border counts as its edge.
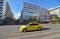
(24, 30)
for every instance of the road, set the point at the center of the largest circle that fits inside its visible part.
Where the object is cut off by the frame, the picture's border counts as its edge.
(49, 31)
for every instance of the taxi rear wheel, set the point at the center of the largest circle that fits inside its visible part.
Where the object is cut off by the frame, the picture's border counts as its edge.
(24, 30)
(39, 28)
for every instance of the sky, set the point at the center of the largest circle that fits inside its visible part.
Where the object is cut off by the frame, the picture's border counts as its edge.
(16, 5)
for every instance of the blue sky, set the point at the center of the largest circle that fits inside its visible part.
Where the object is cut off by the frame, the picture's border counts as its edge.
(16, 5)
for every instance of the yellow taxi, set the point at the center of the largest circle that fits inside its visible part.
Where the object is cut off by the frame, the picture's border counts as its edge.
(30, 26)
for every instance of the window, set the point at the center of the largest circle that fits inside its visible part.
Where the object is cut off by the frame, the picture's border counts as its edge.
(0, 13)
(0, 16)
(0, 10)
(1, 0)
(25, 7)
(33, 24)
(1, 4)
(1, 7)
(31, 12)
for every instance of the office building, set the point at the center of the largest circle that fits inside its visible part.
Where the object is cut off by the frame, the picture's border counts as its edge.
(8, 12)
(5, 11)
(38, 12)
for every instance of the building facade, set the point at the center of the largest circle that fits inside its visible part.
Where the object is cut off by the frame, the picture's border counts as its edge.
(4, 10)
(8, 12)
(33, 10)
(55, 11)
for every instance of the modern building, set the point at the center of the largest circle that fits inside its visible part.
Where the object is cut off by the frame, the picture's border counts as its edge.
(8, 12)
(5, 11)
(34, 10)
(55, 11)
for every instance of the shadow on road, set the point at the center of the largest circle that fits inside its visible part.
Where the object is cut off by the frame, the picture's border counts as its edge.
(45, 28)
(40, 30)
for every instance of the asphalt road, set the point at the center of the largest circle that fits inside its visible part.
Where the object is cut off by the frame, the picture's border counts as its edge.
(49, 31)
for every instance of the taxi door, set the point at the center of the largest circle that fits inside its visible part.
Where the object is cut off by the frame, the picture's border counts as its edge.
(32, 26)
(35, 26)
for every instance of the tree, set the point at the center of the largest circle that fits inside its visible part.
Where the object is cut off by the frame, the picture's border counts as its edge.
(32, 19)
(55, 18)
(54, 15)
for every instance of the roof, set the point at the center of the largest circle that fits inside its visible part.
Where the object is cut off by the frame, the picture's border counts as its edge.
(54, 8)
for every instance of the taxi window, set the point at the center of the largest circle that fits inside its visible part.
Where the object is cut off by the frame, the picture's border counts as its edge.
(33, 24)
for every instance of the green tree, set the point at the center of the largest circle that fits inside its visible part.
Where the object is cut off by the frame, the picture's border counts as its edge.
(32, 19)
(54, 15)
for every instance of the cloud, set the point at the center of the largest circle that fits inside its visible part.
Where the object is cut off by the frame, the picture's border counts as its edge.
(17, 15)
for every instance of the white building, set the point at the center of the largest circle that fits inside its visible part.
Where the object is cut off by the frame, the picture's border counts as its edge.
(55, 11)
(4, 10)
(33, 10)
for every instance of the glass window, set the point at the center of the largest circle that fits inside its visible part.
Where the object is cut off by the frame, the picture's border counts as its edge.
(0, 13)
(34, 24)
(0, 16)
(1, 4)
(1, 7)
(1, 0)
(0, 10)
(30, 12)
